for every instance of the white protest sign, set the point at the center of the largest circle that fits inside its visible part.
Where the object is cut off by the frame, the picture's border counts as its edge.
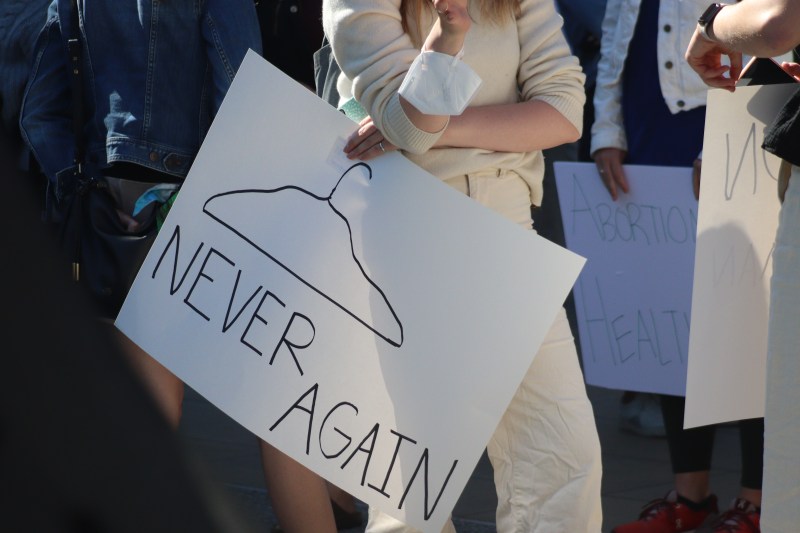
(633, 297)
(365, 319)
(736, 230)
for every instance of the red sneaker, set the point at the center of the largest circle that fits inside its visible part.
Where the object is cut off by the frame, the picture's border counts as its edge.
(742, 517)
(668, 515)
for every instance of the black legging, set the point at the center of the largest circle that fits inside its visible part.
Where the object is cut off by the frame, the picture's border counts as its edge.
(691, 449)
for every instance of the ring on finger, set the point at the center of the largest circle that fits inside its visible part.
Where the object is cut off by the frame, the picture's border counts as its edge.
(380, 145)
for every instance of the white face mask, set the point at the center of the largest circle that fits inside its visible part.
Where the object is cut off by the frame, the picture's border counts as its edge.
(440, 84)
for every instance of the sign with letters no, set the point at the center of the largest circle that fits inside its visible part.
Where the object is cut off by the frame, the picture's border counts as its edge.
(736, 231)
(363, 318)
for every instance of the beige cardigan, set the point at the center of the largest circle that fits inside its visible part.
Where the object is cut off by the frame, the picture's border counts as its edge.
(519, 61)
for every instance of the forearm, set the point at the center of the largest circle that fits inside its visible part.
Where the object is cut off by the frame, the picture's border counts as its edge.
(762, 28)
(427, 123)
(446, 37)
(521, 127)
(607, 129)
(374, 52)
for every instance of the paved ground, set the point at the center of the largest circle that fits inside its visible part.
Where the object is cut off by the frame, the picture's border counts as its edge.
(636, 469)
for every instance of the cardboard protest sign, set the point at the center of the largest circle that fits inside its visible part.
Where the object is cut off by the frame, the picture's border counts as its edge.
(363, 318)
(633, 297)
(736, 231)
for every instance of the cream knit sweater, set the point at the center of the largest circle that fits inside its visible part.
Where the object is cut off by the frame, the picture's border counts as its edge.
(526, 59)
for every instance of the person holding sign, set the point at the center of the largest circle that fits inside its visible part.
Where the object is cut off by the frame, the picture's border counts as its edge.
(472, 92)
(136, 94)
(650, 110)
(767, 28)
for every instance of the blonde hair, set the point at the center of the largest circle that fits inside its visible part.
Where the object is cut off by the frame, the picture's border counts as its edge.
(495, 11)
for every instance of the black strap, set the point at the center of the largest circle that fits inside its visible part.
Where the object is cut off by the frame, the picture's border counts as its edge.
(75, 62)
(74, 220)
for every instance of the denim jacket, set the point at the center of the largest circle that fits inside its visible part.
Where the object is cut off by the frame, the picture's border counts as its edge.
(155, 73)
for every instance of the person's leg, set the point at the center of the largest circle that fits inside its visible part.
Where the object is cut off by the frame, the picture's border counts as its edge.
(342, 498)
(690, 505)
(547, 219)
(694, 486)
(163, 385)
(545, 451)
(690, 451)
(751, 436)
(299, 496)
(345, 513)
(744, 512)
(780, 510)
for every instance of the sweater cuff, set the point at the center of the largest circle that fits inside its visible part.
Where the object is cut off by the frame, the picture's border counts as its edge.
(569, 107)
(402, 132)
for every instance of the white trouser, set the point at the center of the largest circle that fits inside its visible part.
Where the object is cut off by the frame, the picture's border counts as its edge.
(781, 497)
(545, 451)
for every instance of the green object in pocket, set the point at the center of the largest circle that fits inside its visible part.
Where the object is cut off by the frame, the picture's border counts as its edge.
(163, 211)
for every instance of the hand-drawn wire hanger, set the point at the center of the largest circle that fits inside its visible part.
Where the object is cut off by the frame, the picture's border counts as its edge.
(227, 208)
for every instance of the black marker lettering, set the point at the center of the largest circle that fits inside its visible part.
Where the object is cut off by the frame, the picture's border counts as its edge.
(310, 410)
(176, 238)
(201, 274)
(227, 325)
(401, 438)
(261, 319)
(371, 436)
(291, 345)
(337, 430)
(424, 459)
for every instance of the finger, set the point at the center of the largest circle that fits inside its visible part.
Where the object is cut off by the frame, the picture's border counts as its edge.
(372, 152)
(354, 148)
(604, 169)
(371, 142)
(352, 141)
(721, 82)
(619, 177)
(696, 173)
(358, 151)
(736, 65)
(365, 128)
(716, 76)
(792, 68)
(361, 140)
(130, 223)
(715, 72)
(611, 185)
